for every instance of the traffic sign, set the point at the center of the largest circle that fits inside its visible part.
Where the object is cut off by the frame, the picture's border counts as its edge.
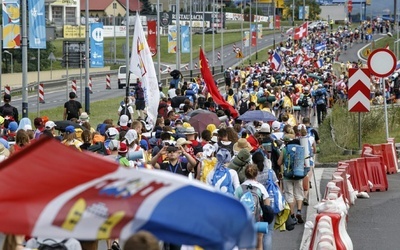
(381, 62)
(359, 90)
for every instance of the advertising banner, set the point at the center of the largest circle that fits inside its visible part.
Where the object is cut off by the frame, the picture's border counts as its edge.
(37, 24)
(11, 24)
(96, 45)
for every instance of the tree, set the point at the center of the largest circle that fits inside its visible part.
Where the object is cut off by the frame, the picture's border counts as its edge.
(146, 8)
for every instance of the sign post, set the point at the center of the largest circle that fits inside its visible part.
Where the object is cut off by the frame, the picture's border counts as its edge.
(382, 70)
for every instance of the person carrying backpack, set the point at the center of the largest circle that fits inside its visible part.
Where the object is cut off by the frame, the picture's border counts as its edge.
(72, 108)
(305, 103)
(321, 100)
(292, 185)
(221, 177)
(254, 196)
(125, 108)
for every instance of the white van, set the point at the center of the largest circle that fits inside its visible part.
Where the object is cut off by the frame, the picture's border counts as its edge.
(122, 78)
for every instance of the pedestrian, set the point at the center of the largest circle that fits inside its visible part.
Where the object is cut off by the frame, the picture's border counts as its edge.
(140, 103)
(72, 108)
(125, 108)
(9, 112)
(320, 96)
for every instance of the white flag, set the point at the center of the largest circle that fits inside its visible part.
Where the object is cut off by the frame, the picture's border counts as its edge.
(142, 65)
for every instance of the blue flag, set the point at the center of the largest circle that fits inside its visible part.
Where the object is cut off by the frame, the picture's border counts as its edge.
(37, 24)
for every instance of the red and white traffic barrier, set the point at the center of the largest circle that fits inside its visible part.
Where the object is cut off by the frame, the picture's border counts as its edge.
(41, 93)
(74, 86)
(195, 66)
(187, 67)
(7, 90)
(108, 81)
(219, 56)
(90, 85)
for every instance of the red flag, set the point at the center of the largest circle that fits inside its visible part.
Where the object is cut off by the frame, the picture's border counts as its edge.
(211, 86)
(152, 36)
(253, 38)
(301, 31)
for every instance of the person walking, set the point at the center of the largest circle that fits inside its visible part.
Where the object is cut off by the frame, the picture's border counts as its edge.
(72, 108)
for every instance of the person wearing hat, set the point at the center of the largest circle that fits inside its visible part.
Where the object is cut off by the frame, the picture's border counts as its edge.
(228, 77)
(11, 131)
(223, 140)
(123, 123)
(70, 138)
(4, 153)
(173, 164)
(72, 108)
(9, 112)
(243, 104)
(23, 122)
(242, 143)
(84, 117)
(122, 159)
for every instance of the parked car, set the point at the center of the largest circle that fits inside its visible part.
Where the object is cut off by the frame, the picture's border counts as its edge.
(207, 31)
(122, 78)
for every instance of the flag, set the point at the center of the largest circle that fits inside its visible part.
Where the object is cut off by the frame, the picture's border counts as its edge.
(301, 31)
(142, 65)
(319, 63)
(289, 31)
(89, 197)
(320, 46)
(276, 61)
(298, 59)
(152, 36)
(212, 87)
(37, 24)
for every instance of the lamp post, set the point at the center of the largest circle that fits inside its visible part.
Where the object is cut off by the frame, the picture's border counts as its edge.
(115, 38)
(12, 60)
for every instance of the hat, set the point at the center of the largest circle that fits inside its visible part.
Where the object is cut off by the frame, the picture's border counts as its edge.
(69, 129)
(300, 126)
(1, 120)
(123, 149)
(186, 125)
(214, 139)
(98, 138)
(4, 151)
(131, 135)
(5, 143)
(288, 137)
(306, 88)
(242, 143)
(242, 158)
(182, 141)
(276, 125)
(320, 85)
(28, 127)
(48, 125)
(215, 131)
(111, 132)
(208, 150)
(84, 117)
(7, 97)
(123, 120)
(13, 126)
(144, 144)
(190, 131)
(113, 145)
(211, 127)
(265, 128)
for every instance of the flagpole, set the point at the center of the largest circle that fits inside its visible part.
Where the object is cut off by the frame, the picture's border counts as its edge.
(158, 42)
(204, 23)
(213, 36)
(250, 36)
(87, 95)
(274, 17)
(222, 36)
(127, 48)
(178, 36)
(241, 30)
(191, 42)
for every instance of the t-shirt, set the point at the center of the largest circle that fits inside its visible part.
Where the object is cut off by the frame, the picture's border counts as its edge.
(72, 108)
(178, 168)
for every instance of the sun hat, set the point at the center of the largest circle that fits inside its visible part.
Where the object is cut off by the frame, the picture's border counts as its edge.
(4, 151)
(242, 143)
(190, 131)
(123, 120)
(131, 135)
(182, 141)
(84, 116)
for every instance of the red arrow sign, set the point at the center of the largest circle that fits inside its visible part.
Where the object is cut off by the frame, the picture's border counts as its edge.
(359, 90)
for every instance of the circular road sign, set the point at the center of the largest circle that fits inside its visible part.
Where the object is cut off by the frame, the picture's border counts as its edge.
(382, 62)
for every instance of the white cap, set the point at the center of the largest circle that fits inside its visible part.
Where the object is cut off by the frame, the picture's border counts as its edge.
(276, 125)
(265, 128)
(123, 120)
(48, 125)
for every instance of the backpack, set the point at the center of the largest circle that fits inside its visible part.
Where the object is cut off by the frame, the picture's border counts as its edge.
(231, 100)
(244, 106)
(276, 197)
(309, 132)
(293, 162)
(253, 97)
(72, 109)
(303, 102)
(125, 111)
(50, 244)
(319, 96)
(251, 200)
(396, 86)
(227, 74)
(222, 179)
(139, 93)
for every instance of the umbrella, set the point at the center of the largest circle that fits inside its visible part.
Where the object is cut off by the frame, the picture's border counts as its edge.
(88, 197)
(257, 115)
(200, 121)
(61, 125)
(199, 111)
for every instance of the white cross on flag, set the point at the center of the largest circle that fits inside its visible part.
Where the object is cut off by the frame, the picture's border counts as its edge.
(359, 90)
(301, 31)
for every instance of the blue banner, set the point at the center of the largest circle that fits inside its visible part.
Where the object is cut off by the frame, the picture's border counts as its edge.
(96, 45)
(253, 28)
(37, 24)
(301, 12)
(185, 37)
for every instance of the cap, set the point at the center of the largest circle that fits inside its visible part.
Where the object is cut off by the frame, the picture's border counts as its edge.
(113, 145)
(214, 139)
(13, 126)
(111, 132)
(190, 131)
(182, 141)
(131, 135)
(7, 97)
(276, 125)
(1, 120)
(123, 120)
(69, 129)
(4, 151)
(208, 150)
(98, 138)
(49, 125)
(123, 149)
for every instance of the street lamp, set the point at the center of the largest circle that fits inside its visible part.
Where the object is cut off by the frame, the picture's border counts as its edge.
(12, 60)
(115, 39)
